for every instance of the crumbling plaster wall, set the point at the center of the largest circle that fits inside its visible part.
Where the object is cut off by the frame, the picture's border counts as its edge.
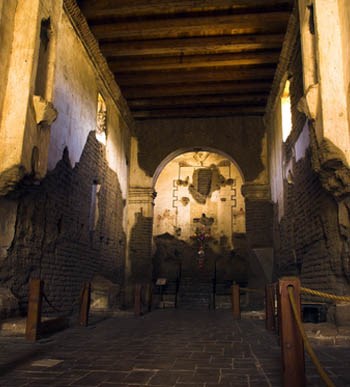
(54, 225)
(308, 174)
(179, 205)
(76, 81)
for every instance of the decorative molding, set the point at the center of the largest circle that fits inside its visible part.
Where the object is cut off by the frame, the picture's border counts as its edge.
(45, 113)
(256, 191)
(91, 45)
(139, 195)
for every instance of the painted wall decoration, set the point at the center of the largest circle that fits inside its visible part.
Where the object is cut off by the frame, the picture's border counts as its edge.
(199, 193)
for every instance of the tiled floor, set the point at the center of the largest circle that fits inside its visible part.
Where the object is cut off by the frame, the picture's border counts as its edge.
(164, 348)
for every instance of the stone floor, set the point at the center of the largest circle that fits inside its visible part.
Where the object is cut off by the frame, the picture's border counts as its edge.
(164, 348)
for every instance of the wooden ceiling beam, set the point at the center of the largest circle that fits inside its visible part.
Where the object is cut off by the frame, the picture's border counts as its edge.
(192, 46)
(189, 101)
(193, 61)
(176, 76)
(269, 22)
(97, 10)
(200, 88)
(199, 112)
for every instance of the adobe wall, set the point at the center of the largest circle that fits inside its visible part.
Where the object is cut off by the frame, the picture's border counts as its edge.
(244, 140)
(308, 179)
(64, 218)
(344, 13)
(53, 238)
(7, 16)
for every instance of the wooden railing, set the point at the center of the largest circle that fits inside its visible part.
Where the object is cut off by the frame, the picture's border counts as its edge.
(36, 326)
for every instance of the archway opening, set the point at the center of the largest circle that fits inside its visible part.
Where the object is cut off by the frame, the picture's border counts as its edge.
(199, 227)
(200, 192)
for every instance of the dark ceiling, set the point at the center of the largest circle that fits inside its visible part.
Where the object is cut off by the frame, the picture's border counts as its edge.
(191, 58)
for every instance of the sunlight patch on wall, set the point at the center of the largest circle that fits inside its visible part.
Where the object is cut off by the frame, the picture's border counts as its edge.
(101, 124)
(286, 112)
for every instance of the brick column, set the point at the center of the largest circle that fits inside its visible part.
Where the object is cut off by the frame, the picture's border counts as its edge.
(258, 214)
(140, 222)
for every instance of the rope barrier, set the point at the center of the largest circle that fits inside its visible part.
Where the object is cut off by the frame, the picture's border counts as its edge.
(307, 344)
(325, 295)
(76, 302)
(50, 304)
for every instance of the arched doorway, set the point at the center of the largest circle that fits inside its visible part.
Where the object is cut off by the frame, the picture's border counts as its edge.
(199, 216)
(199, 190)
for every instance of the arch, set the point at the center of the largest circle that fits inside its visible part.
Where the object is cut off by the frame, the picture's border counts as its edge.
(199, 188)
(181, 151)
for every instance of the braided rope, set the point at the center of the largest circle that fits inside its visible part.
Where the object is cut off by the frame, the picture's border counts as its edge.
(50, 304)
(307, 344)
(325, 295)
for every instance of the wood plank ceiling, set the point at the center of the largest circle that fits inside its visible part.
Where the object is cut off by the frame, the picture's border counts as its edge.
(191, 58)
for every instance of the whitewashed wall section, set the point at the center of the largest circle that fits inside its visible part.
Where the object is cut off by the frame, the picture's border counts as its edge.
(178, 213)
(75, 98)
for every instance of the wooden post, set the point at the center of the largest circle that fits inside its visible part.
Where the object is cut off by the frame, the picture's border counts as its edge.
(214, 293)
(278, 319)
(177, 291)
(270, 307)
(34, 309)
(292, 346)
(149, 296)
(235, 299)
(85, 305)
(137, 304)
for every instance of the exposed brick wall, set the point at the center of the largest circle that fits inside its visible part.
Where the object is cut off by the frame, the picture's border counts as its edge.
(316, 234)
(308, 232)
(140, 249)
(259, 215)
(306, 240)
(52, 237)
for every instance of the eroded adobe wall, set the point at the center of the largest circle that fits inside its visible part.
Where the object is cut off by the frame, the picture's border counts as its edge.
(308, 186)
(53, 238)
(69, 225)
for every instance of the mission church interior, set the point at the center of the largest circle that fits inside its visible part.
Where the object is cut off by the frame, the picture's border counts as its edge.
(180, 146)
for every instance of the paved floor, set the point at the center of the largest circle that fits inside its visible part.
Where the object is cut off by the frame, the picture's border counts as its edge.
(164, 348)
